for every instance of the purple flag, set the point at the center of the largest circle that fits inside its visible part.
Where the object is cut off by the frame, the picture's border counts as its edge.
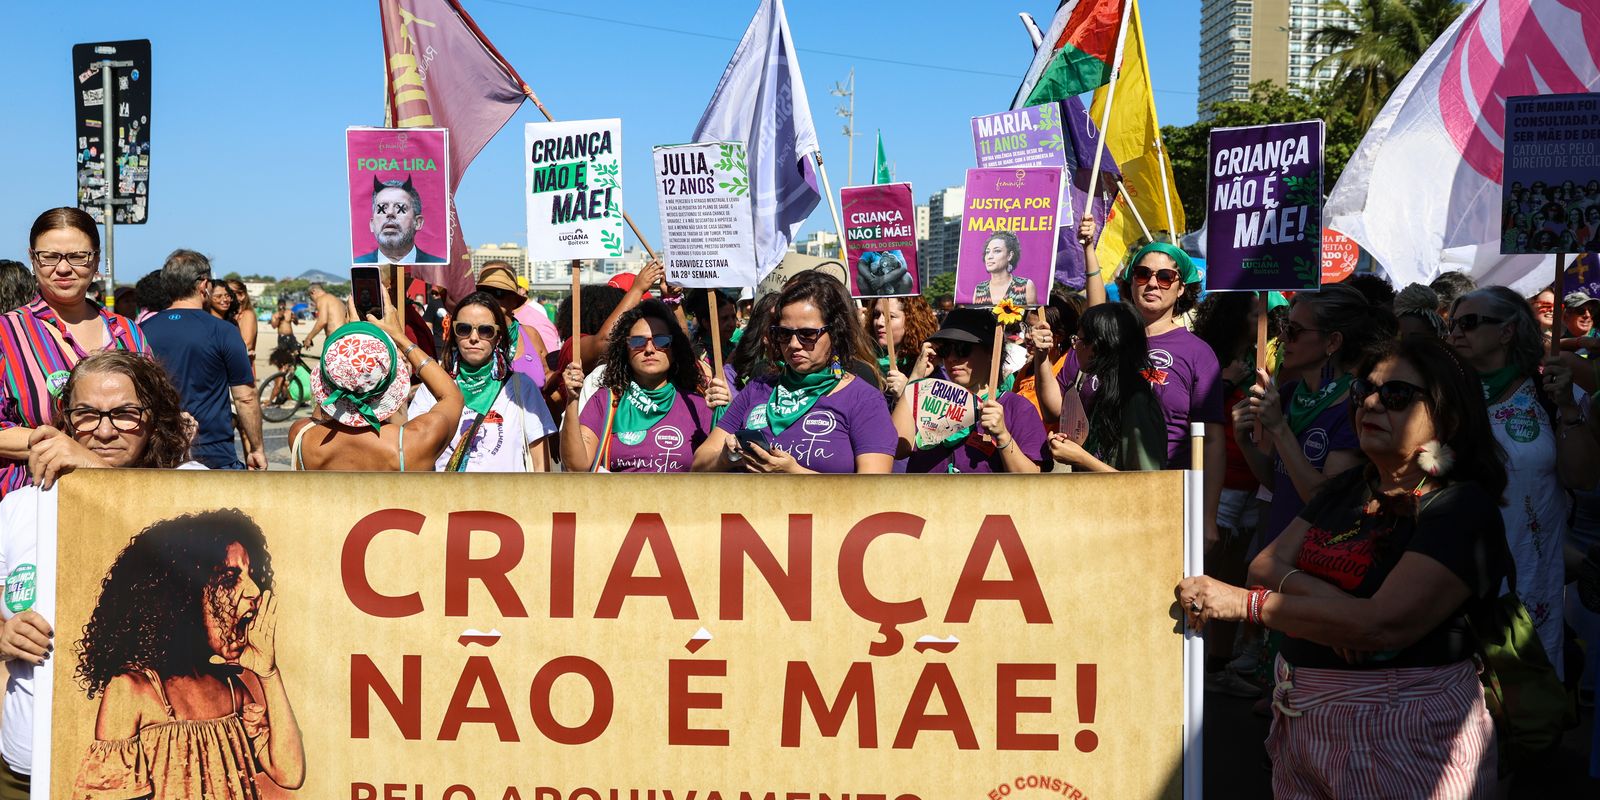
(1082, 134)
(761, 101)
(443, 73)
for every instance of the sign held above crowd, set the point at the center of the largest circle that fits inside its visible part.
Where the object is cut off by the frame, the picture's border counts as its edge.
(399, 180)
(703, 193)
(573, 183)
(1008, 236)
(1264, 208)
(880, 240)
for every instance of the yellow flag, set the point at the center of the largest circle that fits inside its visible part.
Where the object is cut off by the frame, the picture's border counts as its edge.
(1134, 139)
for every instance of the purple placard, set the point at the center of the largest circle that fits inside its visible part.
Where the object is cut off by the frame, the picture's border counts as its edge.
(880, 240)
(1583, 275)
(1550, 189)
(399, 195)
(1264, 201)
(1023, 137)
(1015, 209)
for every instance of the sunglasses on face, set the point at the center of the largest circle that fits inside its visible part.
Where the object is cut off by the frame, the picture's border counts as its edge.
(660, 341)
(464, 330)
(1393, 395)
(84, 419)
(1290, 331)
(808, 336)
(957, 349)
(1467, 323)
(1164, 278)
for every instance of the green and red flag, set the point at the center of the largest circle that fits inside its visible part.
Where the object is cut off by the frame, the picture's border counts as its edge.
(1077, 53)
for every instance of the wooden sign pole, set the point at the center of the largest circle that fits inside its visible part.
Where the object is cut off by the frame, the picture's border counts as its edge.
(716, 332)
(1555, 289)
(577, 324)
(1261, 361)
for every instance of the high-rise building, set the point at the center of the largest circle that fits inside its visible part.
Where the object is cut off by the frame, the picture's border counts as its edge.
(938, 250)
(820, 244)
(1249, 41)
(510, 252)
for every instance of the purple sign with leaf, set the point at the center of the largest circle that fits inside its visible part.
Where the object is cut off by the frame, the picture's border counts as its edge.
(1264, 208)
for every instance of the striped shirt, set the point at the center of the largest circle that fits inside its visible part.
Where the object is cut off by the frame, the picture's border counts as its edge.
(29, 354)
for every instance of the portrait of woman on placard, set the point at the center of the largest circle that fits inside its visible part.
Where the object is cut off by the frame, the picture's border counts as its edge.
(1001, 255)
(181, 652)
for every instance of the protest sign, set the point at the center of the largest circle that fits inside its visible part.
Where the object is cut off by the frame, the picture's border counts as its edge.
(130, 134)
(1264, 195)
(1023, 137)
(1582, 275)
(1008, 235)
(399, 195)
(499, 639)
(1340, 254)
(880, 240)
(703, 194)
(1551, 183)
(573, 182)
(942, 409)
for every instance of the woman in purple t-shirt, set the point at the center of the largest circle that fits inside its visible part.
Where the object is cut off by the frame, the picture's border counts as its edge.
(649, 415)
(1008, 436)
(1309, 434)
(809, 414)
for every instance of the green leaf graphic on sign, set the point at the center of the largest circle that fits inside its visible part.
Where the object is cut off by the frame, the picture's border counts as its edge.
(612, 211)
(1049, 117)
(732, 159)
(611, 242)
(1306, 270)
(604, 176)
(1055, 142)
(1302, 192)
(736, 186)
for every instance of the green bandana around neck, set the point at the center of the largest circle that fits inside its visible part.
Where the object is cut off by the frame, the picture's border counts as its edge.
(1495, 382)
(794, 395)
(639, 409)
(1306, 405)
(362, 402)
(479, 386)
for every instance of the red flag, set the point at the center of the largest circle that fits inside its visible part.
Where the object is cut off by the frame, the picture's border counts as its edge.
(442, 72)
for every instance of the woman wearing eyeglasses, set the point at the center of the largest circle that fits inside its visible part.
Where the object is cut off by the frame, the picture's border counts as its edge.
(809, 413)
(1000, 256)
(505, 422)
(649, 414)
(1548, 448)
(117, 410)
(41, 341)
(1008, 435)
(1374, 586)
(1307, 423)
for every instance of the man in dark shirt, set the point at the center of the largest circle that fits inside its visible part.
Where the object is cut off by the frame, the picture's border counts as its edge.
(206, 359)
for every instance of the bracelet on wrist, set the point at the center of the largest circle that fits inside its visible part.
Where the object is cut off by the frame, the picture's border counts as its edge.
(406, 353)
(1285, 578)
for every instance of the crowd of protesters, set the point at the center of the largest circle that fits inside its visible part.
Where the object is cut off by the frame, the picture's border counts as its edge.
(1404, 461)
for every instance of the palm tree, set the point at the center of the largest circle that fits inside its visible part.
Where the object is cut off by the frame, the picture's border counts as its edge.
(1385, 38)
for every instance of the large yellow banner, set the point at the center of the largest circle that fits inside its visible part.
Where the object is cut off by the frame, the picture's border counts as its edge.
(572, 637)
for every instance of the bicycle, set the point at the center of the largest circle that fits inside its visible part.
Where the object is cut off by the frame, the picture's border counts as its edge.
(285, 392)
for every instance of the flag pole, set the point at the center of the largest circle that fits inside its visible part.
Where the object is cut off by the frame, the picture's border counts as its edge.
(1126, 198)
(827, 189)
(1111, 93)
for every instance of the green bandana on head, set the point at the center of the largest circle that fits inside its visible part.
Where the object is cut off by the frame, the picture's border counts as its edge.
(362, 402)
(794, 395)
(639, 409)
(1186, 269)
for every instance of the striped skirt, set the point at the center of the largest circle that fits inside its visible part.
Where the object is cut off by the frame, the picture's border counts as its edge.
(1388, 733)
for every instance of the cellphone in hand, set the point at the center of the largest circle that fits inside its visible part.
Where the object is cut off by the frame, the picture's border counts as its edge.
(754, 436)
(367, 290)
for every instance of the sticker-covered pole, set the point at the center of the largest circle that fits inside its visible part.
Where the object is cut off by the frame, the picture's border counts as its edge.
(108, 134)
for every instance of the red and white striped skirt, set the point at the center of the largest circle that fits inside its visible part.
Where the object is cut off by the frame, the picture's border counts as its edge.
(1419, 732)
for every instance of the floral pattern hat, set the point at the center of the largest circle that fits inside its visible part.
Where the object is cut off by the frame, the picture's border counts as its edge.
(363, 380)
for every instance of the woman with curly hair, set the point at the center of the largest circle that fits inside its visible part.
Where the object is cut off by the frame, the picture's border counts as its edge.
(181, 650)
(812, 413)
(649, 415)
(1001, 254)
(505, 423)
(118, 410)
(902, 326)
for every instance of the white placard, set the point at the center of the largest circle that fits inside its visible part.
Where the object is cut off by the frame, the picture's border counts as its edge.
(703, 191)
(573, 183)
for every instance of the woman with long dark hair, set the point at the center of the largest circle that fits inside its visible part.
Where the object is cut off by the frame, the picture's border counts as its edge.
(504, 422)
(1374, 586)
(1126, 431)
(811, 412)
(649, 415)
(181, 649)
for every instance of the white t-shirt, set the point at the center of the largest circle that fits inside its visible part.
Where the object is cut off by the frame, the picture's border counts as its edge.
(518, 418)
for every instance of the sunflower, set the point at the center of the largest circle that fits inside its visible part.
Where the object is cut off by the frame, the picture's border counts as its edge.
(1007, 312)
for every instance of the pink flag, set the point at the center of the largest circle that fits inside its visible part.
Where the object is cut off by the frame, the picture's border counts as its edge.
(1422, 192)
(444, 73)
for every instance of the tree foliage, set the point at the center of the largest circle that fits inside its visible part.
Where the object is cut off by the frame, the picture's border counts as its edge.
(940, 286)
(1373, 53)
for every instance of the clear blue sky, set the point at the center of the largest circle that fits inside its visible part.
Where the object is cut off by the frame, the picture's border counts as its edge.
(251, 102)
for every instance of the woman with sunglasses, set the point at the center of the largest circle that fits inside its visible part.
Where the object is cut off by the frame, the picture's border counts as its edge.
(1001, 253)
(117, 410)
(1309, 435)
(505, 422)
(1548, 448)
(648, 415)
(809, 413)
(1373, 586)
(45, 338)
(1126, 431)
(1008, 436)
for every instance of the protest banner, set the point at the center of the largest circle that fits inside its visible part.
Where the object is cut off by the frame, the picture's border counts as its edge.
(129, 138)
(399, 195)
(880, 240)
(941, 409)
(1550, 188)
(437, 639)
(703, 194)
(1008, 236)
(573, 182)
(1340, 254)
(1264, 195)
(1023, 137)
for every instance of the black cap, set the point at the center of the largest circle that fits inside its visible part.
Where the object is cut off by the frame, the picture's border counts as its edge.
(975, 325)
